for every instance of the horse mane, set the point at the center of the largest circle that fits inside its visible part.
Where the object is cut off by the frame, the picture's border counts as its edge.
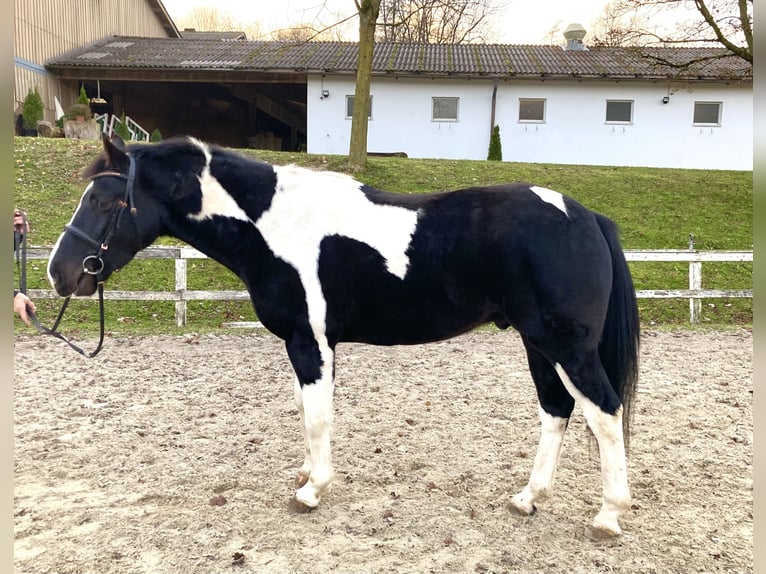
(166, 148)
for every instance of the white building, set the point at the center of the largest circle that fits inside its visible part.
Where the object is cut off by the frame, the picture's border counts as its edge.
(573, 105)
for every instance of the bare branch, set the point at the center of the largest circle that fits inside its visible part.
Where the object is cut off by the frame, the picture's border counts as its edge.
(727, 23)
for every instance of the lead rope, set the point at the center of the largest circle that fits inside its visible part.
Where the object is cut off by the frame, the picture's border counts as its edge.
(21, 251)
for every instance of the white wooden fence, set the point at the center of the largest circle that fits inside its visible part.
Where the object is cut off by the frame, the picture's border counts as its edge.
(181, 294)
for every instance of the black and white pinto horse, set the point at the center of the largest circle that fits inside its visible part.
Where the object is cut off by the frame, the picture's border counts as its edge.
(327, 259)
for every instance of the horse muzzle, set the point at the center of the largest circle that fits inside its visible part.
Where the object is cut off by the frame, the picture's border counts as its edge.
(80, 280)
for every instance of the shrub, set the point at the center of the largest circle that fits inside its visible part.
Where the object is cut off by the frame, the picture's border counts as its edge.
(495, 147)
(83, 97)
(78, 110)
(121, 129)
(32, 110)
(155, 136)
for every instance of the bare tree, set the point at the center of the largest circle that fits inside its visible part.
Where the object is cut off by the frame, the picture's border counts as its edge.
(726, 23)
(368, 11)
(298, 33)
(207, 19)
(436, 21)
(614, 27)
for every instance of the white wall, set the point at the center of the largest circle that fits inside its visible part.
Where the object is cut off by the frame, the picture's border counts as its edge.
(661, 135)
(401, 118)
(574, 131)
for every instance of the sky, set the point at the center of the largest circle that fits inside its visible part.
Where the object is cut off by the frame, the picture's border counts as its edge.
(520, 22)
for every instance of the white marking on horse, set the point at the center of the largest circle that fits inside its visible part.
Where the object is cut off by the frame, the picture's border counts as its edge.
(541, 479)
(309, 206)
(215, 199)
(317, 418)
(550, 196)
(614, 473)
(58, 241)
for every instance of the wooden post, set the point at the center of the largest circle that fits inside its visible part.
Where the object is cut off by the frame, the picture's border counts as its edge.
(181, 288)
(695, 283)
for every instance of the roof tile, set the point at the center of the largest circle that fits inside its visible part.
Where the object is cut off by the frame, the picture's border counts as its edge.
(465, 60)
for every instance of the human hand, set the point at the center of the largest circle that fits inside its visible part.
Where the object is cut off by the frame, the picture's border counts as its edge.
(22, 305)
(18, 221)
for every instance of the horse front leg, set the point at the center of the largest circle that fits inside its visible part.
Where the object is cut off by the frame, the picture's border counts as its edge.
(305, 471)
(314, 368)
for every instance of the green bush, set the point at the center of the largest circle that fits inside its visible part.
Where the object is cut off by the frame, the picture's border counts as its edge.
(32, 110)
(495, 147)
(121, 129)
(78, 110)
(83, 97)
(155, 136)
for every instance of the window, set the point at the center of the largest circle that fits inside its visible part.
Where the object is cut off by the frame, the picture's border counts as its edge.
(707, 113)
(619, 111)
(531, 110)
(350, 107)
(444, 109)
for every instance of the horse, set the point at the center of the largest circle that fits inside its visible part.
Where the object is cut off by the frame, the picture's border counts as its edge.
(327, 259)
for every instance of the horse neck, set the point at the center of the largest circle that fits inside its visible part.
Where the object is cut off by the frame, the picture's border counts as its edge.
(219, 246)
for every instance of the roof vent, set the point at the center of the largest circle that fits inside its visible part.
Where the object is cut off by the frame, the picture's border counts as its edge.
(574, 35)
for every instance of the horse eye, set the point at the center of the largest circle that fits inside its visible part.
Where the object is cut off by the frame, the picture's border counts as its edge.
(101, 202)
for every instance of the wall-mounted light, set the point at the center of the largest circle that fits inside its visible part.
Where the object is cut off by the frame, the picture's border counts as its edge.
(665, 99)
(325, 93)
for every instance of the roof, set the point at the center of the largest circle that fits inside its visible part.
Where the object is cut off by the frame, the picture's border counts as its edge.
(464, 60)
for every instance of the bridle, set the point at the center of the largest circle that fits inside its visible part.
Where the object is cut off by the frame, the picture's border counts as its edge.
(91, 264)
(103, 245)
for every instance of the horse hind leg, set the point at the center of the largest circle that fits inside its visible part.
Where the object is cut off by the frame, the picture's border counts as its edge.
(555, 406)
(587, 382)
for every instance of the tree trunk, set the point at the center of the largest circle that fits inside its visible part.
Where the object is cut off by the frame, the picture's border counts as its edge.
(368, 15)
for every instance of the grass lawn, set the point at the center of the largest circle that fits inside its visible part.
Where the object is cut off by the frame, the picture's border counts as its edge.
(655, 209)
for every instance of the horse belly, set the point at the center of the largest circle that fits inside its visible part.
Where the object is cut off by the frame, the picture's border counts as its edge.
(406, 329)
(400, 314)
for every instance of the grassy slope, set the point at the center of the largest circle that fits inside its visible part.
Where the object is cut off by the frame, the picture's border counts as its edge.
(655, 208)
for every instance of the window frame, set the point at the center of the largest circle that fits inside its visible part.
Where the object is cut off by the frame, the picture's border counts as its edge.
(707, 124)
(533, 120)
(448, 120)
(351, 97)
(619, 122)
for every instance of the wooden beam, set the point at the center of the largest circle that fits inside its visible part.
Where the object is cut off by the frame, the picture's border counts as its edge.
(185, 75)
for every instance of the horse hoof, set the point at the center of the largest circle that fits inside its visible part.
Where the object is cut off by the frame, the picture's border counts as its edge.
(519, 510)
(603, 532)
(298, 507)
(300, 479)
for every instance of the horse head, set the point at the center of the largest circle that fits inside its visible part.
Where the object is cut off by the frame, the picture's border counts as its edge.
(115, 219)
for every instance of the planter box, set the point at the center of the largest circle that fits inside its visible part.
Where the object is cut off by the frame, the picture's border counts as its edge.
(82, 130)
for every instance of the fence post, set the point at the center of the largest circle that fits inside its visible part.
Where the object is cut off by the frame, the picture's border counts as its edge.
(695, 283)
(181, 288)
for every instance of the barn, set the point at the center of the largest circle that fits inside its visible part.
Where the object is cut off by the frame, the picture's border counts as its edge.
(568, 104)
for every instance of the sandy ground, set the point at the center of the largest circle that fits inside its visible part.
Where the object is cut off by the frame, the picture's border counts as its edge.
(178, 454)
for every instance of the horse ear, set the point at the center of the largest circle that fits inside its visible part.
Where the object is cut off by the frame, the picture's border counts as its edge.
(114, 149)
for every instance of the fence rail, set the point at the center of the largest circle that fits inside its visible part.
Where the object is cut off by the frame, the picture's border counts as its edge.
(695, 293)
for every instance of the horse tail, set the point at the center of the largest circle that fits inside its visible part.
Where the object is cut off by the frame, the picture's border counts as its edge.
(620, 339)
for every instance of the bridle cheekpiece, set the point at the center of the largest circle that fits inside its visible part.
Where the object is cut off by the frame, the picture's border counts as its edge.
(94, 264)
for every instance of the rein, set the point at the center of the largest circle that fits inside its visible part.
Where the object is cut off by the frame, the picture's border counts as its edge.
(91, 264)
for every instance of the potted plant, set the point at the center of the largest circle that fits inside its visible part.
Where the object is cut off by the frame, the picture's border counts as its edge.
(80, 111)
(79, 122)
(32, 112)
